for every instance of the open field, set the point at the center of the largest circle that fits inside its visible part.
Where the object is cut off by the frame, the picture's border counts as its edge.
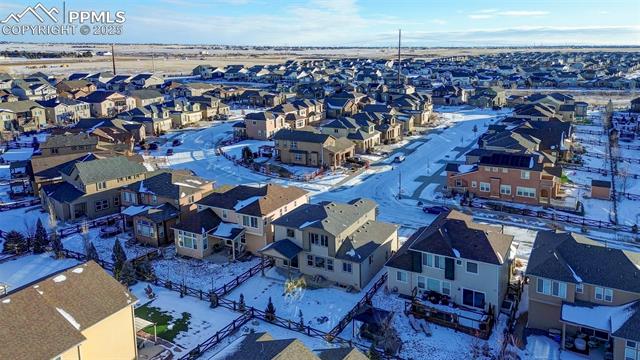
(180, 59)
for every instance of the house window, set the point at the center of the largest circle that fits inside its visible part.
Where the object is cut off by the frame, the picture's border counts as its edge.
(102, 185)
(225, 214)
(579, 288)
(446, 288)
(525, 192)
(505, 170)
(294, 144)
(250, 221)
(472, 267)
(473, 298)
(319, 262)
(474, 184)
(310, 260)
(102, 205)
(505, 189)
(434, 261)
(486, 187)
(494, 169)
(433, 285)
(525, 174)
(631, 350)
(291, 233)
(487, 169)
(401, 276)
(298, 157)
(116, 201)
(187, 240)
(154, 199)
(370, 259)
(346, 267)
(144, 228)
(330, 264)
(603, 294)
(552, 287)
(422, 282)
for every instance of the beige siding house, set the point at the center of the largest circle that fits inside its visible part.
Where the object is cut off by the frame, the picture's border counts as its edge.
(81, 313)
(309, 147)
(343, 243)
(579, 286)
(454, 256)
(239, 218)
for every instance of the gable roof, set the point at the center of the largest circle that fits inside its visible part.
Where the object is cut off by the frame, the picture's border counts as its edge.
(170, 184)
(45, 319)
(91, 172)
(455, 234)
(574, 258)
(262, 346)
(254, 201)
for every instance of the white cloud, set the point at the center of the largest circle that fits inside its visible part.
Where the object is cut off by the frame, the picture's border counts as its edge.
(491, 13)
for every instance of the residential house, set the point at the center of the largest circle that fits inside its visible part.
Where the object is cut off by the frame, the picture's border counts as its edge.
(143, 81)
(488, 97)
(309, 147)
(260, 98)
(155, 204)
(23, 116)
(65, 144)
(108, 103)
(80, 313)
(33, 89)
(262, 346)
(449, 95)
(74, 89)
(91, 189)
(212, 108)
(239, 218)
(263, 125)
(341, 242)
(507, 176)
(144, 97)
(45, 170)
(64, 111)
(360, 131)
(469, 262)
(573, 288)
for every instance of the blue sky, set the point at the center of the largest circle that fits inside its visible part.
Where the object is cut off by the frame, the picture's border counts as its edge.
(365, 22)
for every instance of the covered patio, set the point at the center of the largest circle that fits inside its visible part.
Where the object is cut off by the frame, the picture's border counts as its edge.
(284, 252)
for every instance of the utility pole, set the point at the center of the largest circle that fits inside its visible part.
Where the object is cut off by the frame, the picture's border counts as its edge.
(113, 60)
(399, 43)
(153, 62)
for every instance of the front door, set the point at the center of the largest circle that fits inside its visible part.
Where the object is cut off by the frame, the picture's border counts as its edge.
(473, 298)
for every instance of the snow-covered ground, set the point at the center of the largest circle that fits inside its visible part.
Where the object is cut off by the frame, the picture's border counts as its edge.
(26, 269)
(204, 321)
(321, 308)
(23, 219)
(199, 274)
(104, 246)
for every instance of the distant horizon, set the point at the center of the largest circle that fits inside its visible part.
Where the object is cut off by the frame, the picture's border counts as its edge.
(356, 23)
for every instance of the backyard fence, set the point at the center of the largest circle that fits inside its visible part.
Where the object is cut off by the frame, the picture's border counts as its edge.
(220, 335)
(265, 169)
(366, 299)
(18, 204)
(480, 326)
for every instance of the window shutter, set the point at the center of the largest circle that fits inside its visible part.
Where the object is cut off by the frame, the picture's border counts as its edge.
(449, 269)
(416, 258)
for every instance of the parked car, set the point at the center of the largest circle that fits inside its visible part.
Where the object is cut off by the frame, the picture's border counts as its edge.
(169, 152)
(176, 142)
(399, 158)
(436, 210)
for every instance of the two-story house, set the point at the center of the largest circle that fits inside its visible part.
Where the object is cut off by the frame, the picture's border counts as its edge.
(64, 144)
(144, 97)
(501, 175)
(24, 115)
(80, 313)
(108, 103)
(65, 111)
(309, 147)
(580, 286)
(457, 257)
(91, 189)
(240, 218)
(153, 205)
(360, 131)
(73, 89)
(263, 125)
(34, 88)
(342, 242)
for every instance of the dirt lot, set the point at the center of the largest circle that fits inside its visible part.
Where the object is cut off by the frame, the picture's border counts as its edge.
(180, 59)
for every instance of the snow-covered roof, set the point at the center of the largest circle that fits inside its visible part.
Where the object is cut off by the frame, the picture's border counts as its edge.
(604, 318)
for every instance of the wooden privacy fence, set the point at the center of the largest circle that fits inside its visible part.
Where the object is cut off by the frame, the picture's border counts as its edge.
(220, 335)
(366, 299)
